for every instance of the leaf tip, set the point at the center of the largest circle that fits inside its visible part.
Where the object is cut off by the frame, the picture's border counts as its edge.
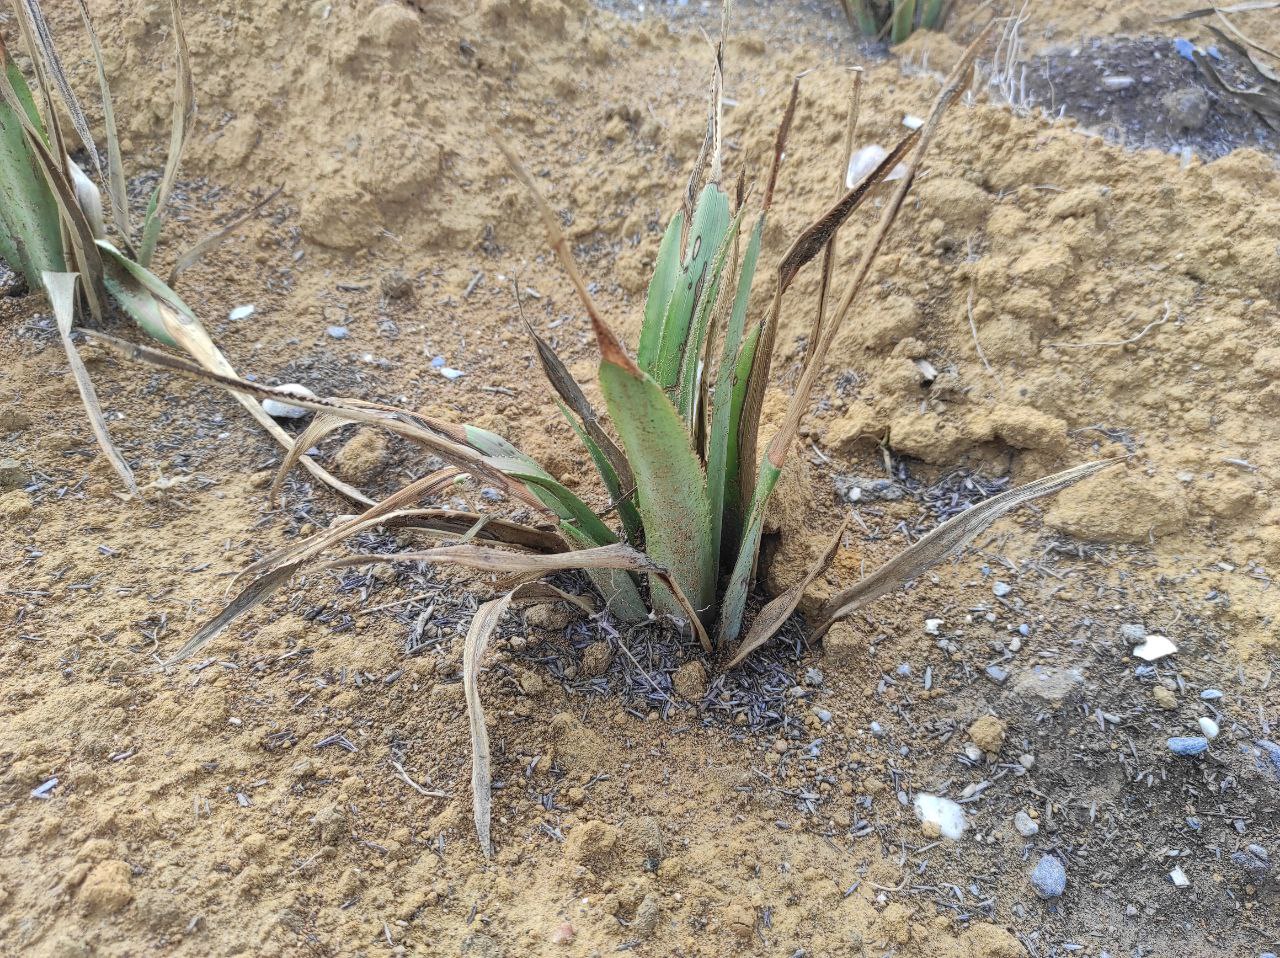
(611, 349)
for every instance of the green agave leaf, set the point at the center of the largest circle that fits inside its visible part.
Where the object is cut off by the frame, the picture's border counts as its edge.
(609, 476)
(30, 238)
(670, 484)
(693, 352)
(904, 15)
(563, 502)
(710, 220)
(723, 487)
(661, 285)
(865, 16)
(735, 475)
(617, 586)
(579, 524)
(140, 293)
(734, 601)
(931, 15)
(568, 389)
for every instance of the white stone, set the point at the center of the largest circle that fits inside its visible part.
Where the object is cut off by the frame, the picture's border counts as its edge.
(1179, 877)
(241, 312)
(867, 159)
(277, 409)
(943, 812)
(1025, 825)
(1210, 728)
(1154, 648)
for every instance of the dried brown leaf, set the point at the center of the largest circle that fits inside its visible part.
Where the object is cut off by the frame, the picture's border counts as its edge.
(948, 538)
(61, 288)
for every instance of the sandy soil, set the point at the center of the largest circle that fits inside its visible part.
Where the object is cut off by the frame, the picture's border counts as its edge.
(303, 788)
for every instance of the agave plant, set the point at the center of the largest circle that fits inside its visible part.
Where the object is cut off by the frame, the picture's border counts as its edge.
(676, 453)
(897, 18)
(53, 221)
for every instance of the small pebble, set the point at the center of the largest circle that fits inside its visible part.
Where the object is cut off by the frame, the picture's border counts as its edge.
(1049, 877)
(1254, 861)
(277, 409)
(1001, 589)
(931, 626)
(877, 730)
(241, 312)
(1117, 83)
(942, 813)
(1133, 632)
(1209, 727)
(824, 716)
(1026, 761)
(1154, 648)
(1272, 751)
(1179, 877)
(337, 332)
(997, 674)
(1188, 745)
(1211, 695)
(1025, 825)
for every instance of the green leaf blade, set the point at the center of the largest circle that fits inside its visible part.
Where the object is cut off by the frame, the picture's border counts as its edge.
(734, 601)
(723, 483)
(710, 220)
(661, 284)
(670, 484)
(30, 238)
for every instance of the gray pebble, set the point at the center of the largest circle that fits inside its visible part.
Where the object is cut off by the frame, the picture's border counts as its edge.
(337, 332)
(824, 716)
(1049, 877)
(1273, 752)
(1025, 825)
(997, 674)
(1001, 589)
(277, 409)
(1188, 108)
(877, 730)
(1211, 695)
(1188, 745)
(860, 489)
(1255, 863)
(1133, 632)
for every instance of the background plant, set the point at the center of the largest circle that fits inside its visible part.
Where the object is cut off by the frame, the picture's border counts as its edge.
(676, 452)
(53, 220)
(897, 19)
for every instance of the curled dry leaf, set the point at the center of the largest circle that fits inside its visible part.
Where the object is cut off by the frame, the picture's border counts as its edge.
(948, 538)
(61, 288)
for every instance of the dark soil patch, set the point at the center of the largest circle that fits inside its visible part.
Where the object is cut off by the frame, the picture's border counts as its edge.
(1120, 88)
